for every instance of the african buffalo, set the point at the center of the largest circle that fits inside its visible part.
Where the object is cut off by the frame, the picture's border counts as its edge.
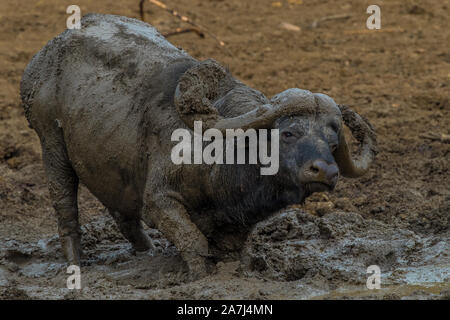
(105, 100)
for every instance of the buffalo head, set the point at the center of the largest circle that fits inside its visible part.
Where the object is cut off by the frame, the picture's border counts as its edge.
(313, 148)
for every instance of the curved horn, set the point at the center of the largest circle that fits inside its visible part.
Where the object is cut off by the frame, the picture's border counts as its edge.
(206, 82)
(363, 132)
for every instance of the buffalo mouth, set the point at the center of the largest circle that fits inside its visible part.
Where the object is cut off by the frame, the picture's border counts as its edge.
(312, 187)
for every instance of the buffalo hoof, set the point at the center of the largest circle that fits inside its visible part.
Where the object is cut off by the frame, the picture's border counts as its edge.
(197, 268)
(71, 249)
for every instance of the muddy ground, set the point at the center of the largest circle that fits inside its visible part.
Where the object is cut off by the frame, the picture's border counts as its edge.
(395, 217)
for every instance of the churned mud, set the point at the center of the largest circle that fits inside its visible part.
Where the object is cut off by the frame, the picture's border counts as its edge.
(395, 217)
(292, 255)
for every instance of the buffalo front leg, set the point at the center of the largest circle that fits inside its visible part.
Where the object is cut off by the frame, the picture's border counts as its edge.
(132, 230)
(63, 188)
(171, 218)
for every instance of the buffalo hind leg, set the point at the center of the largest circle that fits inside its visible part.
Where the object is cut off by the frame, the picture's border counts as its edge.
(132, 230)
(63, 188)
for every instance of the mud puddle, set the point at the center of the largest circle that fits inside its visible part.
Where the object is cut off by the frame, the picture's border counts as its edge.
(293, 255)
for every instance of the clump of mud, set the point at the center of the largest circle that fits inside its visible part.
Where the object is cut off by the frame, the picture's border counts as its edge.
(340, 246)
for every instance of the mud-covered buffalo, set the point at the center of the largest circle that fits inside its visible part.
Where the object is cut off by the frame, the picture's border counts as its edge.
(305, 230)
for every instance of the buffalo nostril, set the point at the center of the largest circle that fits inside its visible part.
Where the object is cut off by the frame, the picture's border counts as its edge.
(315, 169)
(325, 172)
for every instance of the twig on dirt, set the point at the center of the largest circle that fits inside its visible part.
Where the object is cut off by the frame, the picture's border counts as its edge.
(185, 30)
(184, 19)
(141, 9)
(316, 23)
(177, 30)
(445, 138)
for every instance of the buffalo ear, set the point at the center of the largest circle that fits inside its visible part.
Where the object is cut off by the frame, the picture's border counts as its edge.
(197, 90)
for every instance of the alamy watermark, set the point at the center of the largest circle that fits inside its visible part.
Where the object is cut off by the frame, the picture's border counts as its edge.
(74, 20)
(374, 280)
(251, 147)
(374, 20)
(74, 280)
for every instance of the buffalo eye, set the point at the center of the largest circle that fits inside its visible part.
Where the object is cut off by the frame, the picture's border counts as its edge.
(287, 134)
(334, 126)
(333, 147)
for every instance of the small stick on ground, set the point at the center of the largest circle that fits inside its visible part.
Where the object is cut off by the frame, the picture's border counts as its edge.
(316, 23)
(445, 138)
(184, 19)
(177, 30)
(141, 9)
(185, 30)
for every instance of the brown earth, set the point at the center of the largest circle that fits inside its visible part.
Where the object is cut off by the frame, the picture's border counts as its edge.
(398, 77)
